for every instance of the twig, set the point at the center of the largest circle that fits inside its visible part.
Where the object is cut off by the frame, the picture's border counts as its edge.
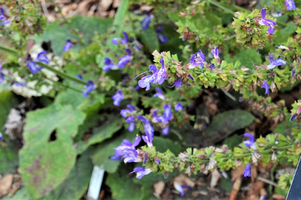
(267, 181)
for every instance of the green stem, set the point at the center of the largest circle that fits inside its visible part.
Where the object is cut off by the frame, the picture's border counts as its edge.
(217, 4)
(61, 74)
(65, 86)
(9, 51)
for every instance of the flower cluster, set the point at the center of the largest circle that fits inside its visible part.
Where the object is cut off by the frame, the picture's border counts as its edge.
(130, 119)
(158, 76)
(267, 22)
(117, 97)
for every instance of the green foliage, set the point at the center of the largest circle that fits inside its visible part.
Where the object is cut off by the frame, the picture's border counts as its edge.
(45, 164)
(8, 158)
(123, 187)
(227, 122)
(58, 33)
(77, 181)
(7, 101)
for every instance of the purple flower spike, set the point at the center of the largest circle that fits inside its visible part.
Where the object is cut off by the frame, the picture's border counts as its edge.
(160, 75)
(33, 67)
(247, 171)
(117, 97)
(131, 121)
(88, 88)
(267, 22)
(276, 62)
(1, 137)
(266, 86)
(140, 172)
(293, 117)
(42, 57)
(251, 142)
(68, 45)
(161, 37)
(290, 4)
(146, 21)
(179, 107)
(2, 16)
(128, 151)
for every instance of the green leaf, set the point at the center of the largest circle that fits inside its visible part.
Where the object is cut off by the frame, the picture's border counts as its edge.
(57, 33)
(77, 181)
(20, 194)
(122, 187)
(105, 150)
(8, 158)
(120, 16)
(246, 57)
(163, 144)
(45, 164)
(232, 141)
(282, 35)
(8, 100)
(149, 39)
(226, 123)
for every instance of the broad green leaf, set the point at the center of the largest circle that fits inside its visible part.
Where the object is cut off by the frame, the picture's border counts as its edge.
(57, 33)
(282, 35)
(21, 194)
(232, 141)
(120, 16)
(226, 123)
(105, 150)
(8, 157)
(149, 39)
(122, 187)
(246, 57)
(8, 100)
(45, 164)
(77, 181)
(163, 144)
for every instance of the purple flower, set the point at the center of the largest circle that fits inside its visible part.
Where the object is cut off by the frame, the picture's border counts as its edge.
(276, 62)
(1, 77)
(140, 172)
(123, 41)
(124, 59)
(167, 112)
(148, 129)
(179, 107)
(68, 45)
(117, 97)
(180, 188)
(197, 59)
(215, 52)
(165, 130)
(290, 4)
(247, 171)
(251, 141)
(42, 57)
(276, 14)
(108, 64)
(157, 160)
(5, 22)
(116, 157)
(126, 112)
(158, 76)
(212, 66)
(128, 151)
(33, 67)
(293, 117)
(162, 38)
(2, 16)
(131, 121)
(159, 93)
(146, 21)
(88, 88)
(267, 22)
(178, 82)
(79, 76)
(1, 137)
(265, 85)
